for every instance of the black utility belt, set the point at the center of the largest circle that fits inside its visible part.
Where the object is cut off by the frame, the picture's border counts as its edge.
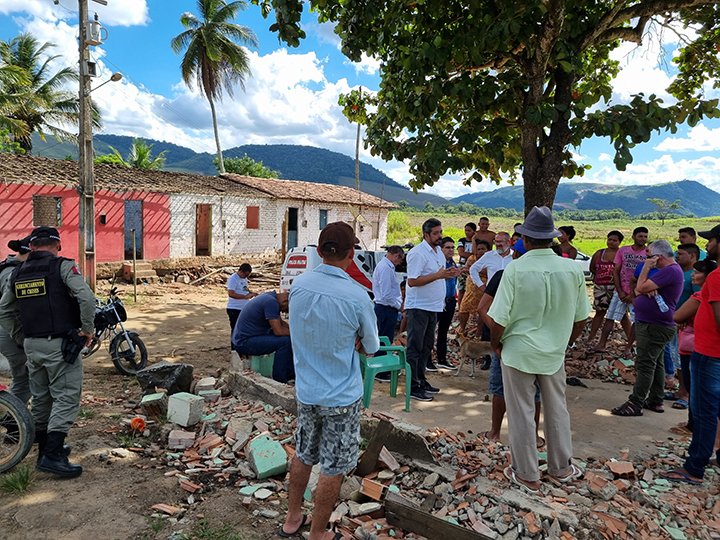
(49, 337)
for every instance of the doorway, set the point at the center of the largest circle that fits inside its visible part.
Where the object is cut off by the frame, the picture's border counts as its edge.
(292, 237)
(133, 220)
(203, 230)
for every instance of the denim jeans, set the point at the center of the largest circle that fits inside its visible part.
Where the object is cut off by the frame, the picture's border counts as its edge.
(687, 381)
(705, 404)
(283, 368)
(444, 321)
(671, 356)
(387, 320)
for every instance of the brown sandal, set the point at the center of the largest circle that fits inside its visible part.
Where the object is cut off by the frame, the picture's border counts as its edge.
(627, 409)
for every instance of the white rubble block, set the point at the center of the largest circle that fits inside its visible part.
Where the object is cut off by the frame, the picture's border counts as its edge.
(180, 440)
(185, 409)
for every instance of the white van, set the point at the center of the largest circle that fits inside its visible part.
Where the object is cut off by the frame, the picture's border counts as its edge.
(304, 258)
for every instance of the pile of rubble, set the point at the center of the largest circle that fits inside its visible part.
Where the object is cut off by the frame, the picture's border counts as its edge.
(211, 440)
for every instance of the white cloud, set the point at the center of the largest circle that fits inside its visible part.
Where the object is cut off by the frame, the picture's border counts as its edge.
(325, 33)
(116, 13)
(367, 65)
(699, 139)
(604, 157)
(705, 170)
(641, 70)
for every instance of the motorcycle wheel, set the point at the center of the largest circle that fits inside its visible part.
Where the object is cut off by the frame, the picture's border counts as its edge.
(17, 431)
(125, 361)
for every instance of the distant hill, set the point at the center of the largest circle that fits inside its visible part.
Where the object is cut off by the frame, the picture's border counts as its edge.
(295, 162)
(694, 197)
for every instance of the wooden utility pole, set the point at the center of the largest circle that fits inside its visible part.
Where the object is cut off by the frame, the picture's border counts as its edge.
(86, 187)
(357, 176)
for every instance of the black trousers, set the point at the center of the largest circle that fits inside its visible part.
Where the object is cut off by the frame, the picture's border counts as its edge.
(420, 338)
(444, 320)
(233, 315)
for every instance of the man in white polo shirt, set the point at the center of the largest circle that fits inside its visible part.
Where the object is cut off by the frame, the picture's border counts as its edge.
(494, 260)
(425, 298)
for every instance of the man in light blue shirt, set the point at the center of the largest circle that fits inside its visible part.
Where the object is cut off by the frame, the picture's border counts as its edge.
(388, 297)
(332, 319)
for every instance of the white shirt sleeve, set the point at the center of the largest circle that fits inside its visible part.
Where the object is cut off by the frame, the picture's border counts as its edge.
(475, 271)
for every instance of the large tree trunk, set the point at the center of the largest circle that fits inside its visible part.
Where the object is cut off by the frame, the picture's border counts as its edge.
(221, 164)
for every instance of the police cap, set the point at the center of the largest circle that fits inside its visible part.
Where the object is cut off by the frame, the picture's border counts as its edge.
(20, 246)
(44, 232)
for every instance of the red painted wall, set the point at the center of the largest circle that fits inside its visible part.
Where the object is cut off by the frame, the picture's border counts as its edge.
(16, 213)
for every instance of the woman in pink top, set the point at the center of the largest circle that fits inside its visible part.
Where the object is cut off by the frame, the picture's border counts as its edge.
(601, 267)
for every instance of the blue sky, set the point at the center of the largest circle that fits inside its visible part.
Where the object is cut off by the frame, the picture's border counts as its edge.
(292, 98)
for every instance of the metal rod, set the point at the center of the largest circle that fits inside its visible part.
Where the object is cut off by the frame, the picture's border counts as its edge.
(134, 267)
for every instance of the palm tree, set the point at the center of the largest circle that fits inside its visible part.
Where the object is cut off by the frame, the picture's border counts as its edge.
(213, 58)
(36, 101)
(140, 156)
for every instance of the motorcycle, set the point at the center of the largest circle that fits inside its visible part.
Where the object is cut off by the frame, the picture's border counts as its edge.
(17, 431)
(127, 350)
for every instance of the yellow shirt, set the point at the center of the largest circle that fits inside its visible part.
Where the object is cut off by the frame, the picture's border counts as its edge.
(541, 296)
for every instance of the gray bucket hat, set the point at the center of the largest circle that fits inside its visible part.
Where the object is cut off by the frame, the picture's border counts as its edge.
(539, 224)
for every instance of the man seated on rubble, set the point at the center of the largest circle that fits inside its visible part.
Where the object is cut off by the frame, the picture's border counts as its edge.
(261, 330)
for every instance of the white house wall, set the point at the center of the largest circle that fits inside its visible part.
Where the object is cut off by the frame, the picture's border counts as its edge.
(230, 234)
(309, 221)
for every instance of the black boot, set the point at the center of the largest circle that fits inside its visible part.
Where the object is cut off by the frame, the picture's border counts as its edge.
(54, 459)
(41, 440)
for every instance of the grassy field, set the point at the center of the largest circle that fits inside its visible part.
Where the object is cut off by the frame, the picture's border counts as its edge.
(406, 227)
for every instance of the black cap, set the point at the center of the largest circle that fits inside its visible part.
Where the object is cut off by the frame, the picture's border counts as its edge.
(20, 246)
(44, 232)
(712, 233)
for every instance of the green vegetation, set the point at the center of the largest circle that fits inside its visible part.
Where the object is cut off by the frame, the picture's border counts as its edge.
(489, 89)
(156, 524)
(139, 157)
(590, 237)
(32, 98)
(213, 60)
(18, 480)
(247, 167)
(664, 209)
(85, 414)
(8, 145)
(203, 531)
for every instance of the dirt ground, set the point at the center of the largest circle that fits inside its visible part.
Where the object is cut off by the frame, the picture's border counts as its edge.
(185, 323)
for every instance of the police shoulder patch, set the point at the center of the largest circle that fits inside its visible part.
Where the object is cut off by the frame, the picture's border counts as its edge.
(75, 270)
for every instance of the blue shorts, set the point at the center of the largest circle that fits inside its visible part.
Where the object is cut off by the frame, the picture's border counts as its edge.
(329, 436)
(495, 380)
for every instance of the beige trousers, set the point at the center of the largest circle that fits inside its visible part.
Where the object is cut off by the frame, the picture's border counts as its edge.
(520, 404)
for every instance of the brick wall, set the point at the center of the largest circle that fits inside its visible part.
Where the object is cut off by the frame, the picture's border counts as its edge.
(309, 221)
(230, 234)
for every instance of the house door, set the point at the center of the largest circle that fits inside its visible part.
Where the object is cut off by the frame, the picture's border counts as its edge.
(292, 238)
(133, 220)
(203, 230)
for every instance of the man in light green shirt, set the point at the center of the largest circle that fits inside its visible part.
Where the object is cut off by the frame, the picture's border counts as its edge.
(540, 307)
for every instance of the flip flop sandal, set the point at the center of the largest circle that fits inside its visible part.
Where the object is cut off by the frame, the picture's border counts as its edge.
(680, 404)
(627, 409)
(684, 477)
(681, 430)
(654, 407)
(670, 396)
(304, 523)
(510, 475)
(540, 445)
(575, 473)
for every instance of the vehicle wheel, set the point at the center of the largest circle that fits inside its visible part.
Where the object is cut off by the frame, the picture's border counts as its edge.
(125, 361)
(17, 431)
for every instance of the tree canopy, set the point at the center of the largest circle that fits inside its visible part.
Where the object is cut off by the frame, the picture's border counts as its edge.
(139, 157)
(247, 166)
(213, 58)
(491, 88)
(33, 98)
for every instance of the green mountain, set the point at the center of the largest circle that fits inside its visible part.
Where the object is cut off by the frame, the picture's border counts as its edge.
(694, 197)
(295, 162)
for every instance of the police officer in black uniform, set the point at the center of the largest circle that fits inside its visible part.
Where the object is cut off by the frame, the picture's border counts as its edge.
(55, 313)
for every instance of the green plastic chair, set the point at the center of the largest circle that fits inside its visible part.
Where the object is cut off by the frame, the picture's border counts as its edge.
(393, 362)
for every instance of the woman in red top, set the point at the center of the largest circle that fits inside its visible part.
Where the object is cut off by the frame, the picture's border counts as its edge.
(685, 318)
(601, 267)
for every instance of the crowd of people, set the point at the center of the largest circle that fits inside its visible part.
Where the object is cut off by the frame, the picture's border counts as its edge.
(531, 300)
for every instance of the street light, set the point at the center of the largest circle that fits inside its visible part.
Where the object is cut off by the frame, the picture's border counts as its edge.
(115, 77)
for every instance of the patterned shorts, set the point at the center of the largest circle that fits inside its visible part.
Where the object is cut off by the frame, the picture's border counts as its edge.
(329, 436)
(617, 309)
(602, 294)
